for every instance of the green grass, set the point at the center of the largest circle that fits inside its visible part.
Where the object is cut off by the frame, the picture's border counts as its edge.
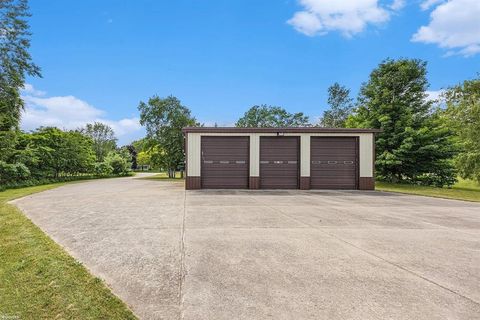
(463, 190)
(163, 176)
(39, 280)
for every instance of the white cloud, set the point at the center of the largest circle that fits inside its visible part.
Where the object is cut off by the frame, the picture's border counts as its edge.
(427, 4)
(434, 95)
(69, 112)
(454, 25)
(397, 5)
(349, 17)
(28, 89)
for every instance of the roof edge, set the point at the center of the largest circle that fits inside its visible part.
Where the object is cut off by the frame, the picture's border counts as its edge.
(276, 130)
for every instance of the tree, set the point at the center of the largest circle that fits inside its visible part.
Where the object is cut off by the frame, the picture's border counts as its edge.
(119, 161)
(164, 119)
(141, 144)
(144, 158)
(147, 150)
(415, 145)
(15, 60)
(133, 155)
(463, 115)
(77, 152)
(60, 152)
(103, 136)
(341, 106)
(270, 116)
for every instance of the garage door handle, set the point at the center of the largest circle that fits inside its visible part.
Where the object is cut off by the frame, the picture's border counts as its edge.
(348, 162)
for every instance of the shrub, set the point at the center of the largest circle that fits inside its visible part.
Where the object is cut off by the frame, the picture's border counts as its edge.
(13, 172)
(103, 169)
(119, 164)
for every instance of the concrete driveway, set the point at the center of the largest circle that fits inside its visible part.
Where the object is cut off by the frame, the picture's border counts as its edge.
(171, 254)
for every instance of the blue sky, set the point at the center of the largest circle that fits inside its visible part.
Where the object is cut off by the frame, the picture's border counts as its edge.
(99, 59)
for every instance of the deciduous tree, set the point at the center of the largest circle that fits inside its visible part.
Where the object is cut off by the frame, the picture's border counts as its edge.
(463, 114)
(103, 137)
(341, 106)
(164, 119)
(271, 116)
(59, 151)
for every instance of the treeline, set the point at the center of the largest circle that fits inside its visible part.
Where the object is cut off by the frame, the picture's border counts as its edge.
(423, 141)
(49, 154)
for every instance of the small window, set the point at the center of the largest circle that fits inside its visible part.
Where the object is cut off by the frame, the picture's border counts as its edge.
(208, 161)
(292, 162)
(332, 162)
(264, 162)
(224, 162)
(240, 162)
(348, 162)
(278, 162)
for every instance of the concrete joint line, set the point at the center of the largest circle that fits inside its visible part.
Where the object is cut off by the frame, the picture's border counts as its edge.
(385, 260)
(402, 268)
(182, 258)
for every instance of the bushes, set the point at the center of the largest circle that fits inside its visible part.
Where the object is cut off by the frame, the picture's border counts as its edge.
(119, 164)
(116, 163)
(36, 182)
(50, 155)
(13, 172)
(103, 169)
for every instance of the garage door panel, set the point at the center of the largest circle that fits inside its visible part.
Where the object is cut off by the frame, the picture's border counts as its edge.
(334, 162)
(225, 162)
(279, 162)
(333, 169)
(231, 174)
(328, 153)
(333, 173)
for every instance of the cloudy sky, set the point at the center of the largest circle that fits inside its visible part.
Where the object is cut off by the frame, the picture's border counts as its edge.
(101, 58)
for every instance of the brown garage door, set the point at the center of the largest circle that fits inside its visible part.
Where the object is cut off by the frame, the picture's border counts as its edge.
(334, 162)
(225, 162)
(279, 162)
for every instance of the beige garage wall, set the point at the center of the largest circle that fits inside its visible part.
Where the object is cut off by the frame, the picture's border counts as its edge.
(365, 149)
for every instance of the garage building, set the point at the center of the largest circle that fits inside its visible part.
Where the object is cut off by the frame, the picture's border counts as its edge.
(279, 158)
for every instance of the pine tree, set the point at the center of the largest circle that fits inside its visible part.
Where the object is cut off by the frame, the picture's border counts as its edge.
(15, 60)
(415, 145)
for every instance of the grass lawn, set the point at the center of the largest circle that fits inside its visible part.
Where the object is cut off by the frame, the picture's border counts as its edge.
(462, 190)
(163, 176)
(39, 280)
